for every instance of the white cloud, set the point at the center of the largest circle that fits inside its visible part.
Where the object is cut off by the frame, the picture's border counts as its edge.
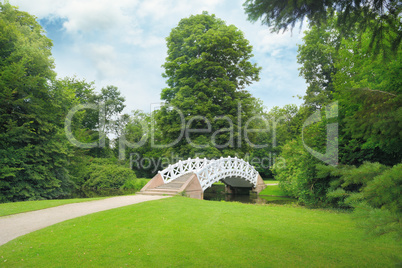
(87, 16)
(39, 8)
(105, 59)
(122, 42)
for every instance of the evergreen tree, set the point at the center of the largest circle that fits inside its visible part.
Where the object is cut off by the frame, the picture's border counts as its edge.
(375, 15)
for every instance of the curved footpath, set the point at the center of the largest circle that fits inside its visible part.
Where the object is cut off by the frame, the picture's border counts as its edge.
(16, 225)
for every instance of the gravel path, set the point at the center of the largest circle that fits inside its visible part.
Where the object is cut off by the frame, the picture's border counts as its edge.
(14, 226)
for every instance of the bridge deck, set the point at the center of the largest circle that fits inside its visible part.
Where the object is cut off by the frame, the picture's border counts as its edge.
(172, 188)
(177, 183)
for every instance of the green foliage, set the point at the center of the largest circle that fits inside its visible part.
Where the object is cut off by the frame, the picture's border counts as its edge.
(317, 54)
(79, 168)
(91, 125)
(105, 173)
(380, 209)
(207, 69)
(33, 148)
(134, 184)
(367, 90)
(203, 50)
(113, 103)
(85, 124)
(377, 222)
(385, 190)
(369, 93)
(36, 159)
(296, 173)
(286, 123)
(296, 167)
(352, 56)
(278, 126)
(75, 92)
(348, 181)
(280, 15)
(353, 15)
(140, 135)
(373, 190)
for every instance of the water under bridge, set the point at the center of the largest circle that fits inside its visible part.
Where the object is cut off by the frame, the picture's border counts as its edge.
(193, 176)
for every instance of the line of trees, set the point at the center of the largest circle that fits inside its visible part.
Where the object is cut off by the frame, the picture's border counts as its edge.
(208, 69)
(36, 159)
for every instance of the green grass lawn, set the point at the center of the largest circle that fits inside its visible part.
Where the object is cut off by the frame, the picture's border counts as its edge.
(273, 190)
(19, 207)
(183, 232)
(271, 182)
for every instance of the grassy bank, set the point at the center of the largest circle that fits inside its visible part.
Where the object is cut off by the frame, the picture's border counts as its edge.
(271, 182)
(19, 207)
(273, 190)
(184, 232)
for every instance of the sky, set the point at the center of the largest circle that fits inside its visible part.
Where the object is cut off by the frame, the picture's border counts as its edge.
(122, 43)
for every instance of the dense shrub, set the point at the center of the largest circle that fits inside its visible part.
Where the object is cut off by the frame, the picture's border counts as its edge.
(296, 173)
(106, 174)
(134, 184)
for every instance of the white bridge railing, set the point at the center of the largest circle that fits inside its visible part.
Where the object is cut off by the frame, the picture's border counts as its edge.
(210, 171)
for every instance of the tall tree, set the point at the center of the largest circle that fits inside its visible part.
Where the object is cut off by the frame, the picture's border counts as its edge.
(136, 143)
(86, 125)
(369, 92)
(317, 56)
(32, 142)
(207, 69)
(111, 98)
(375, 15)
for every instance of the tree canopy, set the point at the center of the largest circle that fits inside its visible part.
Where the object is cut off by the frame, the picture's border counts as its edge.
(316, 56)
(207, 69)
(376, 15)
(36, 159)
(32, 152)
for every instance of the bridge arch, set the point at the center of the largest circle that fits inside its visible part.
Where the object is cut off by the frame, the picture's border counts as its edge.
(203, 173)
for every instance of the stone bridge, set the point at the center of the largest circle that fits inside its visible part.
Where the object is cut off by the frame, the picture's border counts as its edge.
(194, 176)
